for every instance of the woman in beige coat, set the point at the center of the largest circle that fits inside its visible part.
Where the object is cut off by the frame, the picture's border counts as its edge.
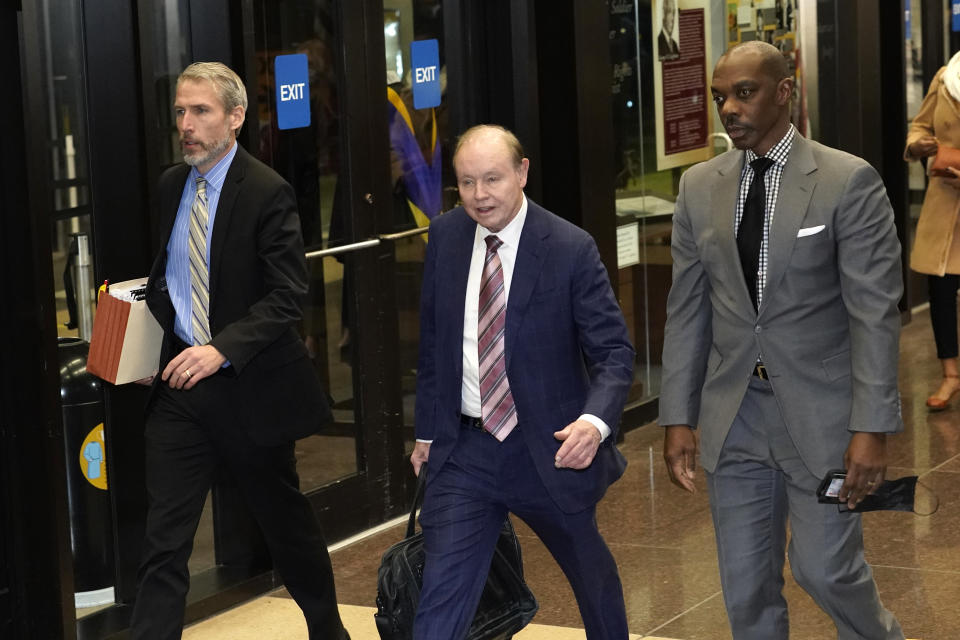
(936, 248)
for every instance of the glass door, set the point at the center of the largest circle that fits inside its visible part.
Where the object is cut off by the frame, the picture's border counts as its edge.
(338, 161)
(309, 157)
(118, 83)
(422, 182)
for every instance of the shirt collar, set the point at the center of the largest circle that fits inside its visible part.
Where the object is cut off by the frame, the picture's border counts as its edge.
(218, 174)
(510, 234)
(779, 152)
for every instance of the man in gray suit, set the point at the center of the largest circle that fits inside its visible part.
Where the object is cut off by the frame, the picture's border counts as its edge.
(781, 350)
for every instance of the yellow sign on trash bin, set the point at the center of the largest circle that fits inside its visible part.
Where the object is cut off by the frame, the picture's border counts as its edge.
(93, 458)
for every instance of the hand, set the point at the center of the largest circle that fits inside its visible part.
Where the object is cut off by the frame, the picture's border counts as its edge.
(925, 146)
(580, 443)
(192, 365)
(680, 454)
(421, 451)
(866, 464)
(953, 181)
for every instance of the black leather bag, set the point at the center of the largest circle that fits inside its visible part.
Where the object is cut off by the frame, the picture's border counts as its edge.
(506, 606)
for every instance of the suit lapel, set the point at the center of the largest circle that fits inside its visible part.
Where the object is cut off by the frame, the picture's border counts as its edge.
(158, 298)
(170, 194)
(171, 204)
(796, 188)
(723, 206)
(221, 222)
(531, 254)
(454, 263)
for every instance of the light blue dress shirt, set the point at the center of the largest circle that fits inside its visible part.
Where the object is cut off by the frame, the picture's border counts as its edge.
(178, 258)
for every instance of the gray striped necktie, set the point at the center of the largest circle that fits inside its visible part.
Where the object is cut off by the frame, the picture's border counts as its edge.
(199, 271)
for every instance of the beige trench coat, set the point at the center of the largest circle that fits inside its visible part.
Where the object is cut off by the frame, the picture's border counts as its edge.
(936, 248)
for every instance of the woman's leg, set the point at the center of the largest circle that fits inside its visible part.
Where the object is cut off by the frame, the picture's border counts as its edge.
(943, 317)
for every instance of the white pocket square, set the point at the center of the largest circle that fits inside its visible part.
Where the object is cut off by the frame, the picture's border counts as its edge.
(809, 231)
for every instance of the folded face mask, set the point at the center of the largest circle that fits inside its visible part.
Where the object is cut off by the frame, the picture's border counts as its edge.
(894, 495)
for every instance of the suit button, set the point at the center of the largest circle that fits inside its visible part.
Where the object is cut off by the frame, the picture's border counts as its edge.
(756, 329)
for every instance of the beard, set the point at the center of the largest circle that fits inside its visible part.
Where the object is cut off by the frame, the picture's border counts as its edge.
(207, 153)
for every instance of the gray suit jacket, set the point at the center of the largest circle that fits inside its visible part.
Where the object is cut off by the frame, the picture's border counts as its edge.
(828, 326)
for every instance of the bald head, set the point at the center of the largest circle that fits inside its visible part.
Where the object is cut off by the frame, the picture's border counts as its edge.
(491, 134)
(770, 61)
(752, 89)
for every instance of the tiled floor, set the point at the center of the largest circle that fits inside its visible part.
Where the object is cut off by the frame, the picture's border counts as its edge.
(278, 618)
(663, 541)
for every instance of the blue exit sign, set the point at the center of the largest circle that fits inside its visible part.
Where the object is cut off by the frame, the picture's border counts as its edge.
(293, 91)
(425, 60)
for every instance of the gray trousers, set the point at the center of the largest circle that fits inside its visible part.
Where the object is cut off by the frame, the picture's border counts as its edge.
(759, 483)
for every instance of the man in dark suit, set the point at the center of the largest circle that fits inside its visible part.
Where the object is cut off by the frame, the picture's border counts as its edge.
(236, 387)
(524, 369)
(667, 47)
(780, 350)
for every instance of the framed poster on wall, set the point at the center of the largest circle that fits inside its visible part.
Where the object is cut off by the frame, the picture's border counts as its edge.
(681, 89)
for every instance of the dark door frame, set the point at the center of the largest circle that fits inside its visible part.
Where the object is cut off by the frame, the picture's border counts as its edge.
(862, 95)
(36, 580)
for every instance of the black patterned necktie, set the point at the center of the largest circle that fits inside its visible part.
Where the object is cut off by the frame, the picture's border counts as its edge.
(750, 233)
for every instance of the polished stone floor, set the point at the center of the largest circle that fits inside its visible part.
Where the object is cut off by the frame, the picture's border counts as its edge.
(662, 539)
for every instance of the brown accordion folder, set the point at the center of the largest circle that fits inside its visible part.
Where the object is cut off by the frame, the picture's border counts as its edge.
(946, 157)
(125, 345)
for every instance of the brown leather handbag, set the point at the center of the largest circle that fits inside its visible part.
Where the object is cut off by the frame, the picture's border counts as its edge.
(946, 157)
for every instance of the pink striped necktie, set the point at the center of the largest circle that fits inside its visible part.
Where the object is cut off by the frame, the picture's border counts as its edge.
(498, 410)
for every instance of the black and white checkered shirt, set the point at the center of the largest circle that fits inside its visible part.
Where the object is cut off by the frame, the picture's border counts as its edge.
(771, 183)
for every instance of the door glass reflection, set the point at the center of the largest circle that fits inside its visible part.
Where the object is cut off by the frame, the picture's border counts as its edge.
(309, 159)
(409, 257)
(420, 172)
(332, 453)
(644, 196)
(61, 53)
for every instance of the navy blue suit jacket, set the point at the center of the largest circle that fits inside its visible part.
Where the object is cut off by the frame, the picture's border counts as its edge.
(567, 348)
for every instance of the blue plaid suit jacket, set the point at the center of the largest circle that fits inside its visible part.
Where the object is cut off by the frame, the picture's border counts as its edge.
(567, 347)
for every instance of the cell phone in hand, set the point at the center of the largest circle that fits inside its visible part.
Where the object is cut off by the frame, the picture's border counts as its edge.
(829, 490)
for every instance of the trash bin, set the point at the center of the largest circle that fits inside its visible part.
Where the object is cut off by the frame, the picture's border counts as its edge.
(91, 520)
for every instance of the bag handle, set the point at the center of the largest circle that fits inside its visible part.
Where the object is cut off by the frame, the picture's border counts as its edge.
(417, 499)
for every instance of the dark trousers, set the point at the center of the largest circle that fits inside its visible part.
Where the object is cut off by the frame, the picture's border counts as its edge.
(464, 507)
(943, 313)
(189, 434)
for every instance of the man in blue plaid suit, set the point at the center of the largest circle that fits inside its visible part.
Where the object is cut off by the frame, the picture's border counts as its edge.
(538, 441)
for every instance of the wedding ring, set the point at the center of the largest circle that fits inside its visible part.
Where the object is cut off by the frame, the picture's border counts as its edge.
(187, 373)
(870, 484)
